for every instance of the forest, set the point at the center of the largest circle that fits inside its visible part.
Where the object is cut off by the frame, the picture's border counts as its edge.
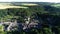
(48, 18)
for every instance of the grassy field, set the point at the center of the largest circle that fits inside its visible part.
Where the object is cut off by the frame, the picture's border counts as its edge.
(5, 7)
(56, 5)
(27, 4)
(8, 5)
(1, 28)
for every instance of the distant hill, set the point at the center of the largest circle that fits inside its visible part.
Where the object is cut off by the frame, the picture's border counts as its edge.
(43, 3)
(57, 5)
(46, 6)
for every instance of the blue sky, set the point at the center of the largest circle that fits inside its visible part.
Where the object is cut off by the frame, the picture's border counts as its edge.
(56, 1)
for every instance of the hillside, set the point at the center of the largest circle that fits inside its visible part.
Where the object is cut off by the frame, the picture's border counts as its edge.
(57, 5)
(29, 18)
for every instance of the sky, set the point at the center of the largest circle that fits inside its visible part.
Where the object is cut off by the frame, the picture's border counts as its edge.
(55, 1)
